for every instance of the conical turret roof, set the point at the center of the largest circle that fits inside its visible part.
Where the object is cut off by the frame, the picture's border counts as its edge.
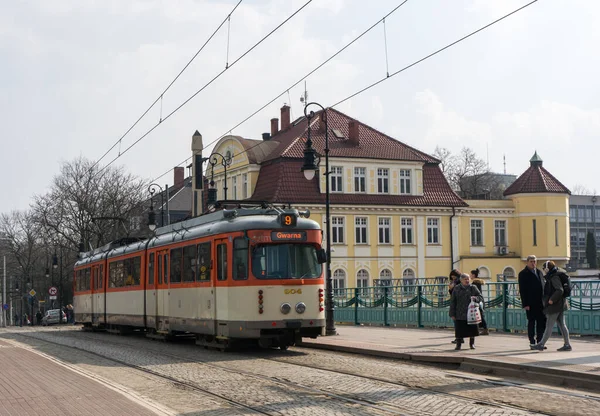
(536, 179)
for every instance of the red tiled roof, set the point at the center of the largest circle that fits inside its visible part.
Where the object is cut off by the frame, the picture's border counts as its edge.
(372, 143)
(536, 179)
(283, 182)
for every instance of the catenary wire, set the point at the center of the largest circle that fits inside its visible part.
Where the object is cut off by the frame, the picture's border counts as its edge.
(292, 86)
(168, 86)
(207, 84)
(434, 53)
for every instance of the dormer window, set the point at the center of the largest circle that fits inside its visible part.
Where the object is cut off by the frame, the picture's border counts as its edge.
(404, 181)
(383, 181)
(336, 176)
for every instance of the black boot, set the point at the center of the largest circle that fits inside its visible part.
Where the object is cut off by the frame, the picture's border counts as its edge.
(472, 343)
(459, 342)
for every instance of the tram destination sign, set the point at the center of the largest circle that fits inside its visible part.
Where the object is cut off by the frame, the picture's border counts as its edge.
(288, 236)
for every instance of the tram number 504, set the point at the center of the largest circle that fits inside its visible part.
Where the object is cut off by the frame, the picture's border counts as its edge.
(293, 291)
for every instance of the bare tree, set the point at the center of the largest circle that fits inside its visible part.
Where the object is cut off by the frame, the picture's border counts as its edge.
(580, 189)
(445, 157)
(87, 204)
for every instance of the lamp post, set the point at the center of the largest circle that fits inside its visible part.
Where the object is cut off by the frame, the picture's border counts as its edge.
(225, 161)
(151, 215)
(54, 267)
(309, 168)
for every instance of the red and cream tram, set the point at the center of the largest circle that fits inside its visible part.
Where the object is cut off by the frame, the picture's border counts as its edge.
(244, 274)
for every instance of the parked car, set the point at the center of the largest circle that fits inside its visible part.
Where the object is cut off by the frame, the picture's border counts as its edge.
(51, 317)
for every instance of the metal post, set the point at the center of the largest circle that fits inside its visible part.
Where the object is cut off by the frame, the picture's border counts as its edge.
(356, 295)
(31, 316)
(167, 204)
(329, 324)
(419, 306)
(4, 295)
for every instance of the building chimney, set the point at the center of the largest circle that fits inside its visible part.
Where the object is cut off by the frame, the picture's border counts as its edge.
(353, 132)
(178, 174)
(266, 136)
(274, 126)
(285, 117)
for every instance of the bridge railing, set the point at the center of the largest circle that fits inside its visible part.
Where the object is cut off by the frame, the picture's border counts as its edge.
(427, 305)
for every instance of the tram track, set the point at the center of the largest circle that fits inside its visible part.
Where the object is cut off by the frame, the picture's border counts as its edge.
(387, 408)
(383, 409)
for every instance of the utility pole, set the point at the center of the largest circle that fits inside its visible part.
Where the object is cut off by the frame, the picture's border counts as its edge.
(4, 295)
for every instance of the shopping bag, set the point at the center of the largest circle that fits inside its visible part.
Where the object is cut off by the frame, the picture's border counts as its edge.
(473, 314)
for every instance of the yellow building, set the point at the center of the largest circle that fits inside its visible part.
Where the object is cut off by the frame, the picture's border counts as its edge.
(393, 214)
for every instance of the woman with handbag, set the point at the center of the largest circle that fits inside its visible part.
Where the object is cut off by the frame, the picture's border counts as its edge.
(463, 296)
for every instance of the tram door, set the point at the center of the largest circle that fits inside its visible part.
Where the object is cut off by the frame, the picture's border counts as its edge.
(150, 312)
(97, 295)
(162, 297)
(220, 286)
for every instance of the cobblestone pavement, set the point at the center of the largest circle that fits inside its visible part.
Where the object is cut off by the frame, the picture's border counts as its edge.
(280, 383)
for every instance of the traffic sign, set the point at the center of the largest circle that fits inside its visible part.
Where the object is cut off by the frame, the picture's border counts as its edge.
(52, 291)
(5, 306)
(32, 293)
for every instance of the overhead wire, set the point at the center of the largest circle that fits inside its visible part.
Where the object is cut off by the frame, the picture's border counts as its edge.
(160, 97)
(207, 84)
(293, 85)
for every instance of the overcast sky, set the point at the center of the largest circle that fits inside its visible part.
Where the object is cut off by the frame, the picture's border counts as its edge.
(77, 74)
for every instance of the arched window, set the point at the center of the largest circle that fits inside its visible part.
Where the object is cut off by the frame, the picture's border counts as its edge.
(362, 280)
(385, 277)
(484, 272)
(339, 282)
(509, 273)
(408, 280)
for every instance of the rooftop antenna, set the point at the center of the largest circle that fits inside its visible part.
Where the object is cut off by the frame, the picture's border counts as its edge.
(504, 163)
(304, 97)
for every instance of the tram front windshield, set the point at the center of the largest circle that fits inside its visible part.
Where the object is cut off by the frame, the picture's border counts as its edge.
(285, 261)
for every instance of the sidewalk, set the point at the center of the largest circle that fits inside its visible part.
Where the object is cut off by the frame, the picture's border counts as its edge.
(499, 353)
(32, 384)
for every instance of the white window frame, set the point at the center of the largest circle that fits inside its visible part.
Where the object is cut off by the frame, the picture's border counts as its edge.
(383, 180)
(337, 179)
(472, 228)
(514, 275)
(384, 229)
(234, 186)
(338, 230)
(409, 275)
(498, 230)
(406, 231)
(388, 276)
(434, 227)
(338, 282)
(361, 226)
(362, 280)
(405, 181)
(245, 186)
(360, 179)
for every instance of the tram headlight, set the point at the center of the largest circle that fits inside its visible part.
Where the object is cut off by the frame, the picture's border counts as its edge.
(300, 307)
(285, 308)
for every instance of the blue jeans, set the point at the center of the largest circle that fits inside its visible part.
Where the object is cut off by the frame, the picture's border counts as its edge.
(558, 318)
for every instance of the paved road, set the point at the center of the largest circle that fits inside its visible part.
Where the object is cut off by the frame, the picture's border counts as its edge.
(296, 382)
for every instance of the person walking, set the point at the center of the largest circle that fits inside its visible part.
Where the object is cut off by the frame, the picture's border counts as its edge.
(555, 306)
(462, 295)
(454, 278)
(38, 317)
(531, 289)
(478, 284)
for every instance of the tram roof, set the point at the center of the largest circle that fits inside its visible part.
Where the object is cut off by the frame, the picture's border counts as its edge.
(219, 222)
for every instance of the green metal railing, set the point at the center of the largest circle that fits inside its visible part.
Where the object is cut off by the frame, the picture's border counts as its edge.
(427, 305)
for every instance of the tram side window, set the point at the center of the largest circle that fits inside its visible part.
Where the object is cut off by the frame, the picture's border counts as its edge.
(86, 280)
(189, 263)
(176, 265)
(101, 277)
(151, 269)
(240, 259)
(116, 277)
(204, 261)
(133, 268)
(222, 262)
(77, 279)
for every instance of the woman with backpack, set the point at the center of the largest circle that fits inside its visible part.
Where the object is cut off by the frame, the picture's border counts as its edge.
(555, 304)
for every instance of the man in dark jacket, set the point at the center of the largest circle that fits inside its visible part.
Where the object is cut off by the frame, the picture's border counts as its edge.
(531, 288)
(555, 306)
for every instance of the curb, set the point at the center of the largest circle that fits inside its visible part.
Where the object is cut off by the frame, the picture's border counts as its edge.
(542, 375)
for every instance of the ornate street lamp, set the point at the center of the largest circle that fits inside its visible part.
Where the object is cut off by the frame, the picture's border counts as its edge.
(152, 188)
(212, 192)
(310, 168)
